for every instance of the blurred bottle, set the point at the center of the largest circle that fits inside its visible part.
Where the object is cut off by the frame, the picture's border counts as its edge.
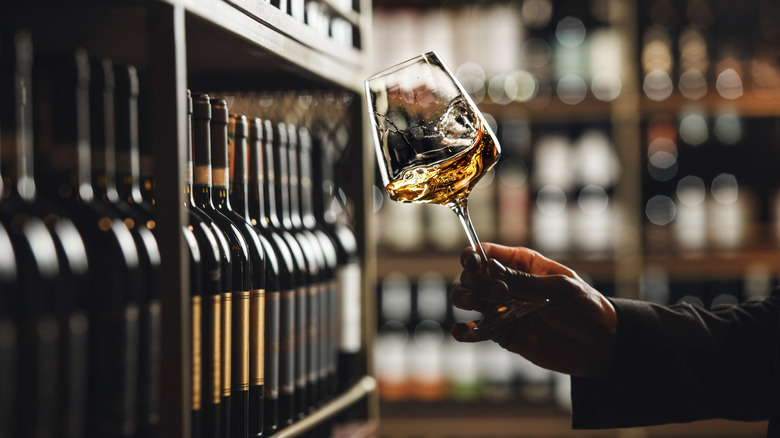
(393, 337)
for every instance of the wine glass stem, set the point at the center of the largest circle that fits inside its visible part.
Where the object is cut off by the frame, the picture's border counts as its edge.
(461, 209)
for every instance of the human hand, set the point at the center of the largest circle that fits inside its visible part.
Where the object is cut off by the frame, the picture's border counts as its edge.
(573, 334)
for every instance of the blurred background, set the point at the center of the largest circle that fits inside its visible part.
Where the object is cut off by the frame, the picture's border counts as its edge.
(640, 146)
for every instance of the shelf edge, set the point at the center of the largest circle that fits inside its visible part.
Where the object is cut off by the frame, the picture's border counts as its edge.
(362, 388)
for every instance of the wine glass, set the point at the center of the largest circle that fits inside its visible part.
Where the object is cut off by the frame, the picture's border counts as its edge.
(433, 146)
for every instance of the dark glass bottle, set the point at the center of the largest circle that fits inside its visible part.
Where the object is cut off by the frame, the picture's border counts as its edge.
(10, 292)
(240, 282)
(216, 270)
(68, 299)
(276, 205)
(243, 305)
(323, 250)
(110, 125)
(347, 302)
(61, 100)
(145, 145)
(276, 272)
(261, 207)
(288, 182)
(328, 242)
(196, 327)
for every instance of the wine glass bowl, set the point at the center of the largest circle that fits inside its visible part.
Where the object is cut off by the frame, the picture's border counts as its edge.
(433, 146)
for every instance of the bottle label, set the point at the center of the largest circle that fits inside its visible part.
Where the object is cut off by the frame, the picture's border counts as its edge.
(349, 308)
(271, 388)
(197, 350)
(287, 342)
(257, 336)
(215, 306)
(241, 309)
(202, 175)
(301, 335)
(220, 176)
(227, 342)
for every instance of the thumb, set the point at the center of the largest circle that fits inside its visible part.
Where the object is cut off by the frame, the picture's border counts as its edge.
(520, 284)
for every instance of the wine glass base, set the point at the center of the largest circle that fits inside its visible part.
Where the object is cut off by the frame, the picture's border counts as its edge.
(503, 314)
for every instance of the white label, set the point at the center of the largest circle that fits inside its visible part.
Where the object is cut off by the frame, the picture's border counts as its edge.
(349, 308)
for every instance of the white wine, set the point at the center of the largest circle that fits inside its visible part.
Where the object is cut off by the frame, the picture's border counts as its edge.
(444, 181)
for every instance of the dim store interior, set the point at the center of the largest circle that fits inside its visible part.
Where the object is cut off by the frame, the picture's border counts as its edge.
(639, 141)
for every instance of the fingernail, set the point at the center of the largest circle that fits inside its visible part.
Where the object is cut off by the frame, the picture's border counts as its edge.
(470, 260)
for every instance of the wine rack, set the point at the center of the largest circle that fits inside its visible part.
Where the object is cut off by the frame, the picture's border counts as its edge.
(236, 47)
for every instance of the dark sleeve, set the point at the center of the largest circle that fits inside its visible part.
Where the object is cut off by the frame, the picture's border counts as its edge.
(682, 363)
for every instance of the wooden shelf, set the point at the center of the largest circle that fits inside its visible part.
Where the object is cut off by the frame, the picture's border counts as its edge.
(252, 45)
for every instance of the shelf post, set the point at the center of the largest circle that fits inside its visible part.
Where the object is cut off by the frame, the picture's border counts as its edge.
(168, 83)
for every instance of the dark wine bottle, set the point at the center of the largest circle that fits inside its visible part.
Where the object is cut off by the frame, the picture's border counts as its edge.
(69, 300)
(111, 124)
(216, 270)
(347, 302)
(242, 310)
(328, 242)
(308, 303)
(145, 145)
(261, 209)
(275, 272)
(308, 228)
(127, 182)
(276, 205)
(61, 100)
(10, 292)
(196, 328)
(33, 312)
(240, 282)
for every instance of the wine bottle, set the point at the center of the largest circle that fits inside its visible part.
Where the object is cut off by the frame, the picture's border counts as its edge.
(320, 234)
(127, 182)
(216, 271)
(321, 265)
(145, 150)
(275, 270)
(240, 252)
(196, 328)
(346, 304)
(255, 298)
(61, 99)
(16, 124)
(10, 292)
(273, 163)
(261, 208)
(111, 124)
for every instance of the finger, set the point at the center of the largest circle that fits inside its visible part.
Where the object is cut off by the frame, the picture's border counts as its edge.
(488, 288)
(470, 260)
(521, 284)
(526, 259)
(464, 332)
(464, 298)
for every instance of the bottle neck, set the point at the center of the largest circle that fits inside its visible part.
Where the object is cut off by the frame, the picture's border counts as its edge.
(293, 182)
(239, 177)
(102, 130)
(306, 182)
(128, 169)
(283, 184)
(64, 128)
(270, 189)
(255, 176)
(322, 178)
(16, 117)
(201, 154)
